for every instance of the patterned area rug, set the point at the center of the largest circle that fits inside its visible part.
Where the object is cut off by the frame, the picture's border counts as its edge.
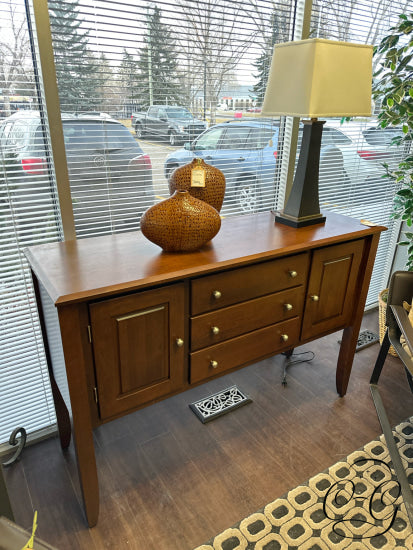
(354, 505)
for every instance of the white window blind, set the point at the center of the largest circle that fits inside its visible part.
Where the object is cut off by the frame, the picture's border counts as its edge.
(28, 215)
(360, 190)
(167, 72)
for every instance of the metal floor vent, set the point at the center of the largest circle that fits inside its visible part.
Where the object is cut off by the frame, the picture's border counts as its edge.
(366, 338)
(219, 403)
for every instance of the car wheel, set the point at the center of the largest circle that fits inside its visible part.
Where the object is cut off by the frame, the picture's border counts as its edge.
(173, 139)
(139, 131)
(248, 195)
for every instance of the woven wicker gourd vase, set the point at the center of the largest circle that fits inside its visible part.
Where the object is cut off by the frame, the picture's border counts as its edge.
(212, 192)
(181, 223)
(382, 320)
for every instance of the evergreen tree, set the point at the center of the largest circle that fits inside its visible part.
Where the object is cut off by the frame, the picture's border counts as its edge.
(279, 29)
(108, 92)
(76, 68)
(129, 77)
(157, 64)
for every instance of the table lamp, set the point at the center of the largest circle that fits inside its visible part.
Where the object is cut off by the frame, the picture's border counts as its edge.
(316, 78)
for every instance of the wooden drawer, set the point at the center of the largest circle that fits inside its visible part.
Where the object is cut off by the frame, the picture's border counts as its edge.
(231, 287)
(216, 326)
(243, 349)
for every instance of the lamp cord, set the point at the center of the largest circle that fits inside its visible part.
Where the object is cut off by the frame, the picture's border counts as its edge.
(303, 357)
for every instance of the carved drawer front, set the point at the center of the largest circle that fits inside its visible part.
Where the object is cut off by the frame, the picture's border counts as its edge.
(244, 349)
(230, 287)
(216, 326)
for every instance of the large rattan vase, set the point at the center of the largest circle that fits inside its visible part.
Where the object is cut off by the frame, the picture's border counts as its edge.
(181, 223)
(214, 190)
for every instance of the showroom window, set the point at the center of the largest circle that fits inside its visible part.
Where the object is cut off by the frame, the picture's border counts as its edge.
(29, 215)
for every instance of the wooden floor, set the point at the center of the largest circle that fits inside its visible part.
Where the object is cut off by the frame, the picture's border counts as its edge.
(168, 482)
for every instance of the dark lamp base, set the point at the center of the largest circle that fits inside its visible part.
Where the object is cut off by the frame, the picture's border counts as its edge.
(280, 217)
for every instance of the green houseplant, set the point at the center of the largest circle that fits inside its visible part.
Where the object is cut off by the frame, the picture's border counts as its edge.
(393, 90)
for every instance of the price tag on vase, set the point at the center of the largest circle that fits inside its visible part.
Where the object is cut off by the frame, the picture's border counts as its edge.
(198, 176)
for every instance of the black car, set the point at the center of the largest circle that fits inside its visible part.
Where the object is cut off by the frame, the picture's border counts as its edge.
(110, 176)
(171, 122)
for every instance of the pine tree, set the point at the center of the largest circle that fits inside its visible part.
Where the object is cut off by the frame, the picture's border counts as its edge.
(108, 87)
(76, 68)
(157, 64)
(279, 26)
(129, 77)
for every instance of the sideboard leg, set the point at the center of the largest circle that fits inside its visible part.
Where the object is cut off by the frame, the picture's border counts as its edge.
(62, 414)
(351, 333)
(73, 326)
(345, 358)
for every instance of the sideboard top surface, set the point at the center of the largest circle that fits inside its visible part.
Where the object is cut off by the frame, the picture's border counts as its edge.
(83, 269)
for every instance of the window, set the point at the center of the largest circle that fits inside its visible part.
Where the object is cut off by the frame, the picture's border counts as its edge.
(209, 140)
(236, 138)
(28, 216)
(262, 137)
(356, 186)
(153, 111)
(334, 137)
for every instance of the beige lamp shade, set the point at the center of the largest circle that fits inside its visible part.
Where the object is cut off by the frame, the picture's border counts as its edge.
(319, 78)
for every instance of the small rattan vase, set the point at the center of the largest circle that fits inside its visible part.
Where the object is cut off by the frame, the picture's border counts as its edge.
(382, 320)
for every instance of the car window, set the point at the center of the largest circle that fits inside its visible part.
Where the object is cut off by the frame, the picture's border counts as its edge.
(178, 113)
(97, 136)
(162, 113)
(235, 138)
(153, 111)
(331, 136)
(83, 135)
(261, 137)
(4, 132)
(39, 146)
(209, 140)
(17, 134)
(381, 136)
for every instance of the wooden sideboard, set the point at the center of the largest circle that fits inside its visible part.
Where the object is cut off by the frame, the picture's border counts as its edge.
(126, 324)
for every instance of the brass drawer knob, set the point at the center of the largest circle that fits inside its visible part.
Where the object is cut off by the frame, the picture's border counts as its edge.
(314, 297)
(288, 307)
(216, 294)
(213, 364)
(215, 330)
(284, 337)
(179, 342)
(293, 274)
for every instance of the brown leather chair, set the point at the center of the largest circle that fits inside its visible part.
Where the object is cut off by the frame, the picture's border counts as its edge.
(397, 322)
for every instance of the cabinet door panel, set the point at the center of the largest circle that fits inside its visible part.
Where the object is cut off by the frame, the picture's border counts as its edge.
(137, 359)
(330, 296)
(145, 331)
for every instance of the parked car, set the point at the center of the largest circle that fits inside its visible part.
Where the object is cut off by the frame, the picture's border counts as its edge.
(246, 152)
(363, 149)
(171, 122)
(110, 176)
